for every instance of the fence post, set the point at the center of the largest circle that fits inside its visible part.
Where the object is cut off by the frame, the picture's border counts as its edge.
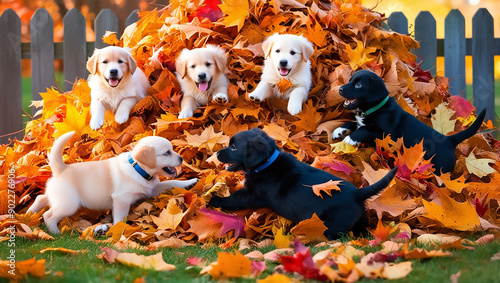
(10, 76)
(454, 52)
(132, 18)
(398, 22)
(105, 21)
(75, 48)
(42, 53)
(483, 81)
(425, 33)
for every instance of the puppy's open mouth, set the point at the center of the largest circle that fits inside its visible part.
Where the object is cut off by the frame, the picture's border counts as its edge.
(350, 102)
(204, 86)
(232, 167)
(284, 71)
(170, 171)
(113, 82)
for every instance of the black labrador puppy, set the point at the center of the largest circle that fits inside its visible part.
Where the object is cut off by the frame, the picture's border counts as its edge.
(277, 180)
(378, 114)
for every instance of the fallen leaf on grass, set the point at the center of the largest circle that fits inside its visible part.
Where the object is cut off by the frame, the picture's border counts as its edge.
(419, 253)
(230, 266)
(276, 278)
(63, 250)
(302, 262)
(281, 240)
(21, 269)
(310, 230)
(155, 262)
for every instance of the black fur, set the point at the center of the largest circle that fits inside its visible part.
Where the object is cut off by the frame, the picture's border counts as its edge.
(286, 186)
(369, 90)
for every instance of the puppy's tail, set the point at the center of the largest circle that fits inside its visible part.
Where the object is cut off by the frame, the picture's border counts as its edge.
(56, 161)
(366, 192)
(470, 131)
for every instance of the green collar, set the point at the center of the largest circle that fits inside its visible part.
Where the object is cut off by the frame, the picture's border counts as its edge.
(373, 109)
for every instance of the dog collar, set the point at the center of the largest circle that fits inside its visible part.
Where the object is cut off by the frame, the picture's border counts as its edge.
(362, 113)
(139, 169)
(269, 161)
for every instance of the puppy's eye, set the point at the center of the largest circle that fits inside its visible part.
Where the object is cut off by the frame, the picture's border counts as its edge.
(105, 62)
(167, 153)
(208, 64)
(358, 85)
(233, 147)
(292, 53)
(120, 61)
(277, 51)
(192, 66)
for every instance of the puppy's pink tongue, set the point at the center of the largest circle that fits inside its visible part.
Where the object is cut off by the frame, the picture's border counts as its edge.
(113, 82)
(284, 71)
(203, 86)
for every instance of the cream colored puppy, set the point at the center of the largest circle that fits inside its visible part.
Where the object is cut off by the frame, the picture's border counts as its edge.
(114, 183)
(116, 84)
(200, 73)
(286, 57)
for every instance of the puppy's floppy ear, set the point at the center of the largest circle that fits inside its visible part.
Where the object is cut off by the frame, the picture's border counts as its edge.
(220, 58)
(259, 148)
(132, 64)
(307, 49)
(377, 86)
(267, 45)
(181, 63)
(145, 155)
(92, 62)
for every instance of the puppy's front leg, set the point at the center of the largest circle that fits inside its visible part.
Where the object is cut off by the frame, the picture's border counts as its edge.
(297, 97)
(97, 111)
(241, 199)
(170, 184)
(221, 93)
(261, 92)
(344, 130)
(123, 111)
(363, 134)
(188, 106)
(121, 206)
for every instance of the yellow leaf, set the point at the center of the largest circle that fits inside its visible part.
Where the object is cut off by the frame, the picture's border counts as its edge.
(63, 250)
(75, 121)
(231, 266)
(208, 139)
(121, 228)
(343, 148)
(276, 278)
(236, 12)
(397, 271)
(441, 121)
(479, 167)
(281, 240)
(52, 101)
(155, 262)
(170, 217)
(452, 214)
(326, 187)
(359, 55)
(110, 38)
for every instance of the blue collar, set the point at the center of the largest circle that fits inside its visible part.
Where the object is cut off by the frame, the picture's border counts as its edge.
(268, 163)
(139, 169)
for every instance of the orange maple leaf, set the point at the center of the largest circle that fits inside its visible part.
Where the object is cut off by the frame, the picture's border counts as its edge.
(310, 230)
(283, 85)
(326, 187)
(231, 266)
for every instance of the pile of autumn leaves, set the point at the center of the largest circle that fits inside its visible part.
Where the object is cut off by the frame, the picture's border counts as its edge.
(347, 37)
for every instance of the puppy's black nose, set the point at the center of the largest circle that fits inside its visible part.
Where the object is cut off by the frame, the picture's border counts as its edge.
(113, 72)
(283, 63)
(180, 159)
(341, 90)
(202, 76)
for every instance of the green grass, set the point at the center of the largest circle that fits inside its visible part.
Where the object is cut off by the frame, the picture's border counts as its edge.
(475, 265)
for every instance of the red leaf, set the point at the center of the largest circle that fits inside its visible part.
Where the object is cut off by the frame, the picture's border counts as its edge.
(209, 10)
(462, 107)
(302, 263)
(229, 222)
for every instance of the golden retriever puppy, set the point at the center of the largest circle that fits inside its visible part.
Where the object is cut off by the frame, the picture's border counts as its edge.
(114, 183)
(116, 84)
(200, 73)
(286, 57)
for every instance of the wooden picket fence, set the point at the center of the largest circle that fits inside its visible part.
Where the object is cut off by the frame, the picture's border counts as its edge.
(75, 50)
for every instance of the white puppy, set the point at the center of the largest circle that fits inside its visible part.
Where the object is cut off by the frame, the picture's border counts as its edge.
(116, 84)
(286, 57)
(200, 73)
(114, 183)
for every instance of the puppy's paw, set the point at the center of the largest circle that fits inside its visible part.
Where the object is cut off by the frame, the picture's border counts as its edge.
(101, 229)
(185, 114)
(254, 98)
(121, 117)
(96, 124)
(340, 133)
(294, 108)
(190, 183)
(350, 141)
(221, 98)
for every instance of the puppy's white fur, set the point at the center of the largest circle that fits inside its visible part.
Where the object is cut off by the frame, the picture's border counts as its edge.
(191, 65)
(108, 184)
(295, 51)
(105, 94)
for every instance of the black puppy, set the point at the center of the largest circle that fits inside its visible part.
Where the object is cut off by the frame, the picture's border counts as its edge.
(378, 115)
(277, 180)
